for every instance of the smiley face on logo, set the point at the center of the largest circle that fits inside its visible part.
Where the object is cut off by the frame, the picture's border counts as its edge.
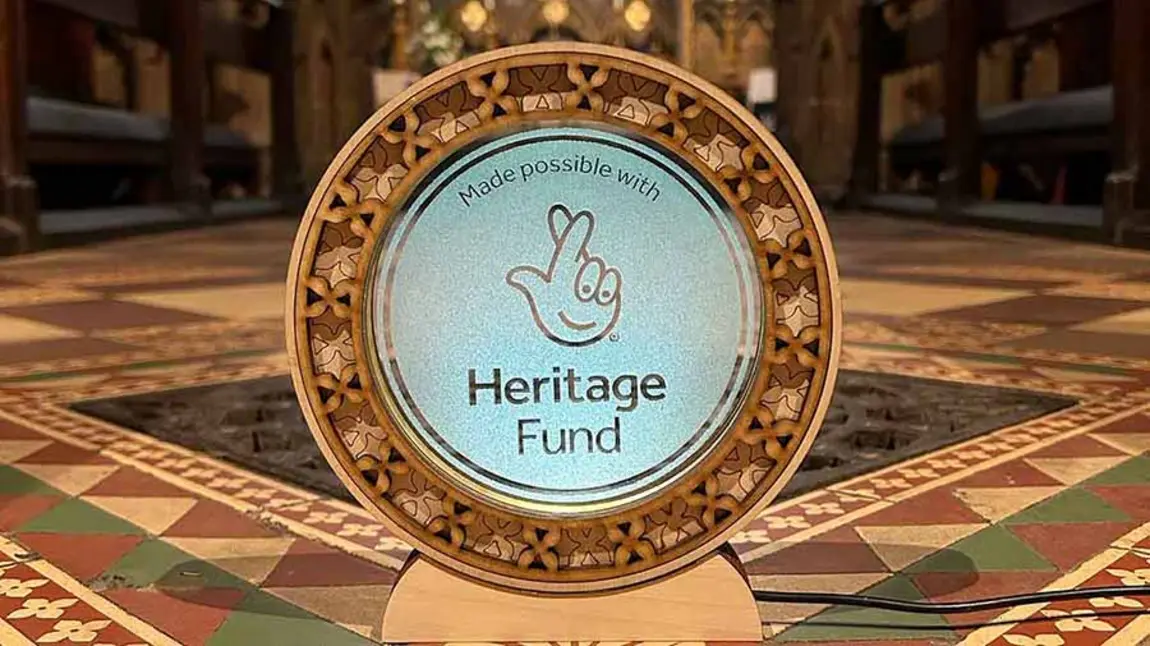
(575, 300)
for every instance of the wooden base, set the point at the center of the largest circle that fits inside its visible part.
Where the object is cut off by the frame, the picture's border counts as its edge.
(710, 601)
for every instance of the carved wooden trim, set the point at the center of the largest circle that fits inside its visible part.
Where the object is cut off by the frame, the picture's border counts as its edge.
(329, 345)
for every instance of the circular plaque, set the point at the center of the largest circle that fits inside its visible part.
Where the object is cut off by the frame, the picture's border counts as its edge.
(564, 316)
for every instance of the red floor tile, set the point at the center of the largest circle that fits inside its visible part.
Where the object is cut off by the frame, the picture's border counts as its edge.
(103, 315)
(61, 453)
(190, 618)
(1081, 446)
(964, 586)
(208, 519)
(1015, 473)
(1069, 544)
(837, 551)
(84, 556)
(935, 507)
(17, 510)
(35, 351)
(312, 564)
(133, 482)
(1131, 499)
(12, 431)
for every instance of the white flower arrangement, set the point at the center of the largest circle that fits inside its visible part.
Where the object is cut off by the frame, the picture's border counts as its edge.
(436, 45)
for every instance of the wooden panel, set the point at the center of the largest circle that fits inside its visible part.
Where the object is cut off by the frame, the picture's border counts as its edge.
(287, 179)
(926, 39)
(236, 44)
(119, 13)
(17, 190)
(187, 69)
(53, 150)
(864, 173)
(960, 109)
(1020, 15)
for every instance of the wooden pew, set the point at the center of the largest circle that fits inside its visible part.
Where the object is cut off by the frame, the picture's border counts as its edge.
(1080, 139)
(62, 132)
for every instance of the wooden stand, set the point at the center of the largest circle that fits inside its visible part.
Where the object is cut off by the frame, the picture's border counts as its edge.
(710, 601)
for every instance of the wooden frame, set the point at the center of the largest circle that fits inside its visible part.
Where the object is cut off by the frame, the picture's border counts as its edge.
(371, 178)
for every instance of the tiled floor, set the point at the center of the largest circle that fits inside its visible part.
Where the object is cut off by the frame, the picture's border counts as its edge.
(109, 537)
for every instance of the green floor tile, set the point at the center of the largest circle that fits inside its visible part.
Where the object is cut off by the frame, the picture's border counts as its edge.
(74, 516)
(1136, 470)
(1070, 506)
(990, 358)
(156, 562)
(858, 624)
(264, 619)
(990, 549)
(15, 482)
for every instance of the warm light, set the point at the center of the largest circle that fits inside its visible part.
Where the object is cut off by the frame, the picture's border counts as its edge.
(637, 15)
(473, 15)
(555, 12)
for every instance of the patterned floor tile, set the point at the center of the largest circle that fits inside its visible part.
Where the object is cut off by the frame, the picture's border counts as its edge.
(1069, 506)
(937, 507)
(262, 618)
(1055, 311)
(101, 315)
(1080, 446)
(57, 453)
(251, 559)
(946, 587)
(18, 329)
(14, 450)
(1134, 471)
(899, 547)
(780, 615)
(1131, 443)
(991, 549)
(996, 503)
(1015, 473)
(154, 562)
(915, 291)
(1086, 342)
(73, 516)
(208, 519)
(191, 617)
(15, 510)
(1125, 290)
(840, 550)
(242, 302)
(155, 514)
(70, 478)
(308, 564)
(129, 482)
(868, 624)
(894, 298)
(358, 608)
(1073, 470)
(1068, 544)
(1134, 322)
(85, 557)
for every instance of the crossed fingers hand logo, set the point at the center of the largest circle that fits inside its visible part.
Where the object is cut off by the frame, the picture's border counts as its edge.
(575, 299)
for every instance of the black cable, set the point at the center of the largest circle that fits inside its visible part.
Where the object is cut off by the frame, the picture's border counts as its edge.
(951, 608)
